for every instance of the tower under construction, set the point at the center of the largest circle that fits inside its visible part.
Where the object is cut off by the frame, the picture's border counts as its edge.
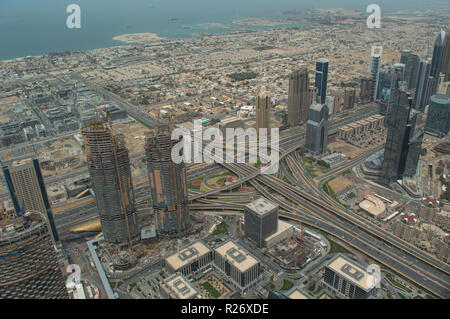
(109, 168)
(29, 267)
(167, 184)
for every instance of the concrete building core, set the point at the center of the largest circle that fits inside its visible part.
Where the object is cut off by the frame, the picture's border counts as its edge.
(109, 169)
(167, 184)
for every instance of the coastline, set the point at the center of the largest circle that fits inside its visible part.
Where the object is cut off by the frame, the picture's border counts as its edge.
(145, 37)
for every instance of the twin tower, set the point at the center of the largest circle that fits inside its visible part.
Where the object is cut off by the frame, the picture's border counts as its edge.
(109, 168)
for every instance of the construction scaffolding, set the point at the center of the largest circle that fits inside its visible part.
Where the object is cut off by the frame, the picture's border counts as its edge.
(109, 168)
(167, 183)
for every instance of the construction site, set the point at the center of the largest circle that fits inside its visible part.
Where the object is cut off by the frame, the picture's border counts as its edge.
(296, 251)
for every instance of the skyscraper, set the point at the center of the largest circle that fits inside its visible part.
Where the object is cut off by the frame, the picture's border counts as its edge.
(167, 184)
(397, 75)
(29, 266)
(422, 86)
(438, 119)
(366, 87)
(404, 138)
(438, 54)
(317, 129)
(109, 168)
(298, 97)
(349, 98)
(321, 79)
(263, 107)
(27, 189)
(445, 67)
(411, 62)
(375, 65)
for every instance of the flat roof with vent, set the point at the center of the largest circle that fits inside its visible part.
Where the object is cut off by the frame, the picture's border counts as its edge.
(352, 272)
(237, 256)
(187, 255)
(178, 287)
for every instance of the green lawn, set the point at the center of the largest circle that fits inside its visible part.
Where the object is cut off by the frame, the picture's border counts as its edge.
(336, 248)
(212, 291)
(396, 283)
(287, 285)
(221, 229)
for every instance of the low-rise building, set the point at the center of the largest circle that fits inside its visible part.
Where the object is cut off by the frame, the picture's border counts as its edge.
(347, 279)
(238, 265)
(176, 286)
(190, 261)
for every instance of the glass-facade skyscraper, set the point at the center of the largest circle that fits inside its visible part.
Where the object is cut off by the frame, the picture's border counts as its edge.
(321, 80)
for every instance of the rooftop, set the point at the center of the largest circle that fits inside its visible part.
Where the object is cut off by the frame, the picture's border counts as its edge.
(297, 294)
(261, 206)
(187, 255)
(237, 256)
(352, 272)
(178, 287)
(373, 205)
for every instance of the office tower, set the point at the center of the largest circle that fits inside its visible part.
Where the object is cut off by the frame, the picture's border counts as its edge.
(411, 62)
(397, 76)
(260, 220)
(109, 168)
(263, 107)
(29, 266)
(27, 189)
(422, 86)
(438, 119)
(317, 129)
(237, 265)
(312, 98)
(321, 79)
(445, 67)
(366, 90)
(349, 98)
(375, 65)
(438, 55)
(347, 279)
(330, 102)
(298, 97)
(167, 184)
(404, 138)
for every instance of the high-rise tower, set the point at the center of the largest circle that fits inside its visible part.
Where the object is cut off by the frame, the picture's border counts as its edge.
(167, 184)
(438, 54)
(317, 129)
(445, 66)
(298, 100)
(263, 107)
(411, 62)
(29, 267)
(27, 190)
(321, 79)
(375, 65)
(422, 86)
(404, 138)
(109, 168)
